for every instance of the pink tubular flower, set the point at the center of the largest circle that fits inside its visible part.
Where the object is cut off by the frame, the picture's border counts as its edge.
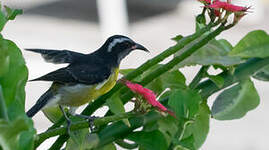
(227, 6)
(148, 95)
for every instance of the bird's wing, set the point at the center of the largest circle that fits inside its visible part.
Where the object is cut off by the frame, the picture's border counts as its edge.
(58, 56)
(81, 73)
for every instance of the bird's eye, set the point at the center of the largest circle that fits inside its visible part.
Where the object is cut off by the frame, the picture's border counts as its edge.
(127, 44)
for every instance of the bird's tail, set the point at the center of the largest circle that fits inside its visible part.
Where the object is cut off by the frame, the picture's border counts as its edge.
(42, 101)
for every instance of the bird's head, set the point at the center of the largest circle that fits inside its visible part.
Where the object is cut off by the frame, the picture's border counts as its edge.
(119, 46)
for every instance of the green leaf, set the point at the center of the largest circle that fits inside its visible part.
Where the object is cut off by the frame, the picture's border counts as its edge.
(254, 44)
(3, 19)
(168, 126)
(9, 14)
(12, 81)
(3, 109)
(153, 140)
(172, 79)
(10, 132)
(110, 146)
(213, 53)
(200, 21)
(116, 106)
(125, 71)
(186, 144)
(200, 127)
(235, 102)
(185, 103)
(82, 140)
(12, 13)
(53, 113)
(4, 62)
(218, 80)
(227, 46)
(262, 74)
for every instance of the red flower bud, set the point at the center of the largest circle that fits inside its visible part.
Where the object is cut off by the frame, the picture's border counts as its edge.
(148, 95)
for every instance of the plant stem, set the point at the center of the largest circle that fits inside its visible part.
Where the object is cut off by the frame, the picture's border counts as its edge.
(119, 130)
(80, 125)
(199, 76)
(242, 72)
(186, 53)
(59, 142)
(164, 68)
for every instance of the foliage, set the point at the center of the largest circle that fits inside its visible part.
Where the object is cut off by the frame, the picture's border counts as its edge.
(151, 129)
(17, 131)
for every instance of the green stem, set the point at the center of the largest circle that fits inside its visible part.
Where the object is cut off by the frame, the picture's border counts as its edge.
(80, 125)
(199, 76)
(119, 130)
(59, 142)
(126, 145)
(164, 68)
(186, 53)
(3, 109)
(242, 72)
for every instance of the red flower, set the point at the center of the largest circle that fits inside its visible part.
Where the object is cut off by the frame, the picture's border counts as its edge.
(227, 6)
(148, 95)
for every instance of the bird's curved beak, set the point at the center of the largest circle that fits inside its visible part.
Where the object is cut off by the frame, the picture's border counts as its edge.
(139, 46)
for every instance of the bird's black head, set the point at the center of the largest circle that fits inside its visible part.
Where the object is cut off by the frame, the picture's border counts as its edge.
(118, 46)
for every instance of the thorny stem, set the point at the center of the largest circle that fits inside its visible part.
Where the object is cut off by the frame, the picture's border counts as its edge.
(199, 76)
(80, 125)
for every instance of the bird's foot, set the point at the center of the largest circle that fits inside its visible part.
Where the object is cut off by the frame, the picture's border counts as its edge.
(69, 123)
(90, 120)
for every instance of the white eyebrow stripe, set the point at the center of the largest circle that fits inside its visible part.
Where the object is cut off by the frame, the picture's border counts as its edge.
(114, 42)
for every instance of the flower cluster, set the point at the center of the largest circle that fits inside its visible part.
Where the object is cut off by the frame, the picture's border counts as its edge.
(220, 6)
(147, 95)
(217, 5)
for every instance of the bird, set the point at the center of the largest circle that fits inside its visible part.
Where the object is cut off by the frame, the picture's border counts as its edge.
(86, 77)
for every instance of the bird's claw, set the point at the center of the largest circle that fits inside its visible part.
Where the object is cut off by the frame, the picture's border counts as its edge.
(90, 120)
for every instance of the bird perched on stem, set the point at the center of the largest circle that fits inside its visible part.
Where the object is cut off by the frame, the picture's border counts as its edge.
(87, 76)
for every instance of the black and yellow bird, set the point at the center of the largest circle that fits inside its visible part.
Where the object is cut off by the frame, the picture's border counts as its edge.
(86, 77)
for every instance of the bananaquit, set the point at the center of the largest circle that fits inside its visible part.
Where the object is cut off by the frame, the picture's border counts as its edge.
(87, 76)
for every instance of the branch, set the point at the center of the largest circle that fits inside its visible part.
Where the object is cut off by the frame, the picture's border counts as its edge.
(119, 130)
(199, 76)
(81, 125)
(242, 72)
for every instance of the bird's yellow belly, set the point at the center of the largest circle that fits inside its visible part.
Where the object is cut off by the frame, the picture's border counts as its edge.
(81, 94)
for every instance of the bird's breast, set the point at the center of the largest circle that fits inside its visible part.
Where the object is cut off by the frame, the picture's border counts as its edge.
(79, 94)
